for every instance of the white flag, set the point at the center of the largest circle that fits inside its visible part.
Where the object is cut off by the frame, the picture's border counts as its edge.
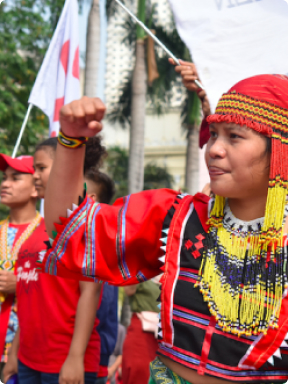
(231, 40)
(57, 82)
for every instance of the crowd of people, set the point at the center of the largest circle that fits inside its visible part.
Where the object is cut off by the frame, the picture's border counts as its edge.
(206, 275)
(51, 332)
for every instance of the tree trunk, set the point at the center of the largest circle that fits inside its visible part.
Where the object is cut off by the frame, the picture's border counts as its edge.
(192, 160)
(92, 50)
(137, 129)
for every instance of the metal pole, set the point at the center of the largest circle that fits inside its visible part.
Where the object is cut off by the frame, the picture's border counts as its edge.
(147, 30)
(22, 131)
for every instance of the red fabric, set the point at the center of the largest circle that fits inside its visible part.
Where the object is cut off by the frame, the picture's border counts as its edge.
(139, 350)
(103, 371)
(206, 346)
(174, 243)
(4, 319)
(22, 164)
(58, 105)
(46, 312)
(118, 379)
(144, 223)
(143, 230)
(204, 133)
(144, 218)
(270, 88)
(200, 202)
(265, 346)
(172, 268)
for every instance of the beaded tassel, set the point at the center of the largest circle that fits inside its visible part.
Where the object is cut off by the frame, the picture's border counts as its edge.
(243, 298)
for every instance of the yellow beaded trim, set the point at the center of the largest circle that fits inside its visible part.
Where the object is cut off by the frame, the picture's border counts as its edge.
(8, 255)
(260, 111)
(247, 310)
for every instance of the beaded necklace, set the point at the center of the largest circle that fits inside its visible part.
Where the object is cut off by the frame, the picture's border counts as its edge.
(11, 253)
(240, 277)
(8, 255)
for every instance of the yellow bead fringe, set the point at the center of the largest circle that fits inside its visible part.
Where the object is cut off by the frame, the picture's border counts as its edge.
(249, 309)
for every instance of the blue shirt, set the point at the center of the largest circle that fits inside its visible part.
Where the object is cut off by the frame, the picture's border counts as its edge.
(108, 326)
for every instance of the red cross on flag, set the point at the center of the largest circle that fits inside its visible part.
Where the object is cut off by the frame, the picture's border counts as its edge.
(57, 82)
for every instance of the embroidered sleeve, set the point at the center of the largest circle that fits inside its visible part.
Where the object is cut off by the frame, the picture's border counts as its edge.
(119, 244)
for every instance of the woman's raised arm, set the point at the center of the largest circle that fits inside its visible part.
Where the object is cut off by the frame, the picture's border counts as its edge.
(78, 119)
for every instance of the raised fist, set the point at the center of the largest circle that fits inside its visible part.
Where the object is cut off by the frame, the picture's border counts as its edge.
(82, 117)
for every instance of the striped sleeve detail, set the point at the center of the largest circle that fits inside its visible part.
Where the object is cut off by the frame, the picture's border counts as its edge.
(121, 240)
(59, 249)
(118, 244)
(89, 261)
(141, 278)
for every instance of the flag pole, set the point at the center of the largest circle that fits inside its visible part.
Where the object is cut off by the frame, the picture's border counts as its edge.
(22, 131)
(147, 30)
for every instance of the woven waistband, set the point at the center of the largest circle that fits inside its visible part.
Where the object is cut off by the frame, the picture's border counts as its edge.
(160, 374)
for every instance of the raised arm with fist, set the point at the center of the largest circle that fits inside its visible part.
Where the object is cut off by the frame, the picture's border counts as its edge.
(78, 119)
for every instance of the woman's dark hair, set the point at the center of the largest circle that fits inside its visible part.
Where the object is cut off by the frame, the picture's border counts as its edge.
(95, 151)
(105, 184)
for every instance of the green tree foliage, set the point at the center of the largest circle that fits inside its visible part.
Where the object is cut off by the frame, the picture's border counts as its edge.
(156, 177)
(26, 28)
(117, 166)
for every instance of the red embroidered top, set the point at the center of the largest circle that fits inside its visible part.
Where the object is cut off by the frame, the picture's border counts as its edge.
(139, 237)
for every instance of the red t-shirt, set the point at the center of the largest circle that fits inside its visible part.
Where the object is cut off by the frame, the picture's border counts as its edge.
(46, 311)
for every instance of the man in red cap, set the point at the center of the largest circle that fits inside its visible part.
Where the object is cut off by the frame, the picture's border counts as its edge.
(20, 234)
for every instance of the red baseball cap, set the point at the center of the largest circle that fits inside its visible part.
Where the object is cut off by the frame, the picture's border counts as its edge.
(23, 164)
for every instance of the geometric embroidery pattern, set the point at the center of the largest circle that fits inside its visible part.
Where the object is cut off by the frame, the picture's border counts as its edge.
(194, 248)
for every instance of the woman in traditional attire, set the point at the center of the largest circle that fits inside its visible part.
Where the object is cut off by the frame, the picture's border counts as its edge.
(224, 310)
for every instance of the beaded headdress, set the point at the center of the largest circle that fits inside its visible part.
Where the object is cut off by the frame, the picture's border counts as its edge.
(243, 274)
